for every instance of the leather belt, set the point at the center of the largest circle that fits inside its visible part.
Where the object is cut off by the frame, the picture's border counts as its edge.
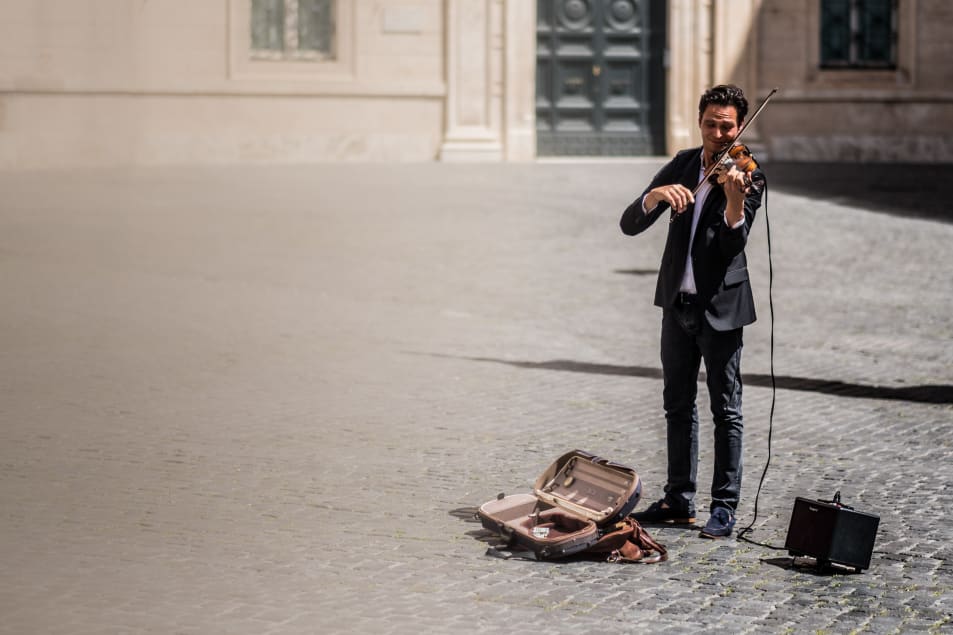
(685, 299)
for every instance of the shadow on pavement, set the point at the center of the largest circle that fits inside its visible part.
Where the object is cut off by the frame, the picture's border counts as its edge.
(929, 393)
(469, 515)
(637, 272)
(918, 190)
(803, 565)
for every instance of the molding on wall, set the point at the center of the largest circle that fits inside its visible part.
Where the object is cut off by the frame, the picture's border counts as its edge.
(689, 69)
(857, 95)
(474, 53)
(519, 76)
(412, 90)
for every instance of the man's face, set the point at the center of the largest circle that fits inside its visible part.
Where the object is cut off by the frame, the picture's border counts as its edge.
(719, 127)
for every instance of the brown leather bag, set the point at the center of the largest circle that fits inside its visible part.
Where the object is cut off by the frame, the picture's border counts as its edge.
(627, 541)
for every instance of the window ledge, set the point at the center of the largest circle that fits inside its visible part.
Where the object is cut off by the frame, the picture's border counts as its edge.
(856, 94)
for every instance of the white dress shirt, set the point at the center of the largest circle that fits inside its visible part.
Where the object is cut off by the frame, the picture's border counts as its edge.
(688, 280)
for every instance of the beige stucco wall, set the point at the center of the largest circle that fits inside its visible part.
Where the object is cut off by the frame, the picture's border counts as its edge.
(56, 130)
(708, 42)
(899, 115)
(902, 115)
(113, 81)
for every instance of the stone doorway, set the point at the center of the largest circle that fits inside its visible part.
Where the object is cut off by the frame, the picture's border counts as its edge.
(599, 77)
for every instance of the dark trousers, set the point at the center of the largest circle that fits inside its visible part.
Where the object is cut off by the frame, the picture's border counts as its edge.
(684, 344)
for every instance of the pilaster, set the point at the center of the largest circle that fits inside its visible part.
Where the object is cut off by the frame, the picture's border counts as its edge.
(520, 80)
(474, 105)
(689, 69)
(710, 42)
(735, 52)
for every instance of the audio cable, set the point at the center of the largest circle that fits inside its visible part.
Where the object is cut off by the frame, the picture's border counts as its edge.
(742, 535)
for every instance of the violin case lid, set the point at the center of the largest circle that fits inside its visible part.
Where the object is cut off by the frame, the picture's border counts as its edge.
(572, 501)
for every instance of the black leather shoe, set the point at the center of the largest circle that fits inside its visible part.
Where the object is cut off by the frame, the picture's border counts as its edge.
(720, 524)
(661, 512)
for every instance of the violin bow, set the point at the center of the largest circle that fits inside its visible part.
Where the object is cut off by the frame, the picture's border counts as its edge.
(714, 164)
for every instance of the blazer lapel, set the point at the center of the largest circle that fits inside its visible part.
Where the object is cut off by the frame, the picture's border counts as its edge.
(690, 175)
(682, 228)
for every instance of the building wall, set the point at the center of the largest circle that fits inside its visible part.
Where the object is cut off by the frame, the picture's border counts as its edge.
(111, 82)
(842, 115)
(903, 115)
(102, 82)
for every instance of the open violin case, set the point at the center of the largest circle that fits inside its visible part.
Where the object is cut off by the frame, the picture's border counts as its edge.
(574, 503)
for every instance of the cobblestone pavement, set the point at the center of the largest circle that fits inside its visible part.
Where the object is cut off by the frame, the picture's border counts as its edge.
(268, 399)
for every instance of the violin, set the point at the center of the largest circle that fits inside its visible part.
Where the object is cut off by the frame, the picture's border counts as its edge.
(743, 158)
(738, 153)
(739, 156)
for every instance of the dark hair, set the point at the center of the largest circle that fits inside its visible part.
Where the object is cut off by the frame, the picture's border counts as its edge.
(724, 95)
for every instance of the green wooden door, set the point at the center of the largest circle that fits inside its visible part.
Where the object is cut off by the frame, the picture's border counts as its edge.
(599, 77)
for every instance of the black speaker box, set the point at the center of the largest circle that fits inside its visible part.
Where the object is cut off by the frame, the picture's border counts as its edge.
(831, 533)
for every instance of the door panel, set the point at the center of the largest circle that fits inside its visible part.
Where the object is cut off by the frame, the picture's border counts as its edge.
(595, 65)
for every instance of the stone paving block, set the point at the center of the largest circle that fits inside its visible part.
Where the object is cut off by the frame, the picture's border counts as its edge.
(269, 399)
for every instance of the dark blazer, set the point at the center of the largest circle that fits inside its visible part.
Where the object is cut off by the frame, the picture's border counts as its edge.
(718, 257)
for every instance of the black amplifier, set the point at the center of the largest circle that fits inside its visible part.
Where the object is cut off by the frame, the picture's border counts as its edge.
(831, 533)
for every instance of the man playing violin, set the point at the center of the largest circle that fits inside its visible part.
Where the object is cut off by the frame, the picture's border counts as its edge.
(706, 300)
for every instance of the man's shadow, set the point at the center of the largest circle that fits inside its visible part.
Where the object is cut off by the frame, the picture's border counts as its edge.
(925, 393)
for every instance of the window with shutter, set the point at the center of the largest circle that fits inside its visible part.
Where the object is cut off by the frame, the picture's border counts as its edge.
(292, 30)
(858, 34)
